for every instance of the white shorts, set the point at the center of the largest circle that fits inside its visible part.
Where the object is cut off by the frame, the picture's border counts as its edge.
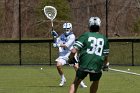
(61, 60)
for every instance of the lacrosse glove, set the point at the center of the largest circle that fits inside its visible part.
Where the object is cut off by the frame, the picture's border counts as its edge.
(105, 68)
(54, 34)
(56, 45)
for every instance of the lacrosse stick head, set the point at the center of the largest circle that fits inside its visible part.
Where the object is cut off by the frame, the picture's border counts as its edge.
(50, 12)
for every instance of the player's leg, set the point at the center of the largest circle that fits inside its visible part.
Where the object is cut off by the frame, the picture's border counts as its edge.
(80, 75)
(59, 65)
(74, 85)
(94, 87)
(82, 84)
(59, 69)
(94, 77)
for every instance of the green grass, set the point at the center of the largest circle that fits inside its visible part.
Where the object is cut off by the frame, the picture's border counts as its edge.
(31, 79)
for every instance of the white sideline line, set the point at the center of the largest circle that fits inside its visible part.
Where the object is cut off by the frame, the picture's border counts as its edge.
(117, 70)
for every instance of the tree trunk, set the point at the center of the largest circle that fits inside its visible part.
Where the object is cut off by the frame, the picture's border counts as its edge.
(16, 19)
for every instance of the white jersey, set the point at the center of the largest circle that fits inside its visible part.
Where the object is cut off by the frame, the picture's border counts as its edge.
(68, 41)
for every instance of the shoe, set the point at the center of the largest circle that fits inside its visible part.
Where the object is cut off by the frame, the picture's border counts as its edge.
(62, 82)
(82, 85)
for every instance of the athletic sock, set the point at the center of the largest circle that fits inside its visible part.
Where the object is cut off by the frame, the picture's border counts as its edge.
(62, 77)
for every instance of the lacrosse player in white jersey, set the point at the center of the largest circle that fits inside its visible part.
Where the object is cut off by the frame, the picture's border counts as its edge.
(65, 43)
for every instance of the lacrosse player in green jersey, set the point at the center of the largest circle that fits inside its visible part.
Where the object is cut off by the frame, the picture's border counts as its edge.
(93, 49)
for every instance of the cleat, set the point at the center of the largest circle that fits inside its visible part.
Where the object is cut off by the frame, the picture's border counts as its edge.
(62, 82)
(82, 85)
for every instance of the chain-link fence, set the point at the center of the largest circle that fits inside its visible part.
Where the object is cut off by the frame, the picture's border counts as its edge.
(41, 52)
(124, 51)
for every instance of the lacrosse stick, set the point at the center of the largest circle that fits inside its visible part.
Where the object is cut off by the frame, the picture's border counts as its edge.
(122, 71)
(51, 12)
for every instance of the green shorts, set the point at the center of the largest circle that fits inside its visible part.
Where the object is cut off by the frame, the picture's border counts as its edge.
(93, 76)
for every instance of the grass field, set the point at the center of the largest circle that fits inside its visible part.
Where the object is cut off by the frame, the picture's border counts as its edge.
(31, 79)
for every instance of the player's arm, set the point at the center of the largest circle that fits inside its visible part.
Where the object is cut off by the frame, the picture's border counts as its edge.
(54, 34)
(61, 45)
(106, 64)
(57, 42)
(106, 60)
(72, 58)
(69, 43)
(76, 47)
(106, 53)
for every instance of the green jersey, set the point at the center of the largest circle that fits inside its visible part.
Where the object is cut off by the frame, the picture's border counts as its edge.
(93, 47)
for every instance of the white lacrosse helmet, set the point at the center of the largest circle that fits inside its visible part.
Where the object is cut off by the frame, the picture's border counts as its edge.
(67, 26)
(94, 21)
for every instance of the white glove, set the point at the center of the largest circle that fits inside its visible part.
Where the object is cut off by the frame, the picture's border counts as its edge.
(56, 45)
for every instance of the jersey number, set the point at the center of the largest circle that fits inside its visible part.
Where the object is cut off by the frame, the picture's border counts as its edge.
(96, 46)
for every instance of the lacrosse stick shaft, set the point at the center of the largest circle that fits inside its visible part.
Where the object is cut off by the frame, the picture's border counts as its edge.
(54, 37)
(122, 71)
(52, 25)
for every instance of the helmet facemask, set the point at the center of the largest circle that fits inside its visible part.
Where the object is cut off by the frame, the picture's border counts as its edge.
(67, 28)
(94, 28)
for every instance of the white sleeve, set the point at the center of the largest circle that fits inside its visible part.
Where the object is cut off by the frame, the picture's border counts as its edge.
(58, 40)
(71, 41)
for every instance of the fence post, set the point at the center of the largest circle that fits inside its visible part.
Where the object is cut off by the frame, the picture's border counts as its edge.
(20, 56)
(50, 51)
(132, 53)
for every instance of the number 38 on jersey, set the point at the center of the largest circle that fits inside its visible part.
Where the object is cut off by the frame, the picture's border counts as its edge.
(96, 46)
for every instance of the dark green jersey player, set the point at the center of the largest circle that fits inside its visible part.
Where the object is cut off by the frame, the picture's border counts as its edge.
(93, 49)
